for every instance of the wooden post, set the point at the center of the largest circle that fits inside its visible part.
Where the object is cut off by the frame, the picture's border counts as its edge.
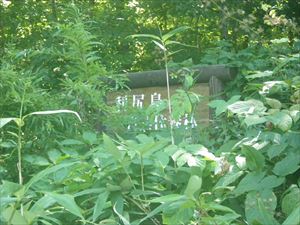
(216, 88)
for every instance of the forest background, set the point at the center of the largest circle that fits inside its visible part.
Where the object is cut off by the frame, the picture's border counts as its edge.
(59, 59)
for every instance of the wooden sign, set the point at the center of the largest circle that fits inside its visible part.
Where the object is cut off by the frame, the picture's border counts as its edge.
(143, 97)
(151, 85)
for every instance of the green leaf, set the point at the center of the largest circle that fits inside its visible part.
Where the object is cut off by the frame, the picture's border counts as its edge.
(228, 146)
(259, 74)
(111, 147)
(293, 218)
(19, 122)
(9, 188)
(260, 207)
(168, 198)
(254, 158)
(4, 121)
(293, 139)
(288, 165)
(181, 157)
(233, 99)
(160, 45)
(51, 112)
(193, 186)
(99, 206)
(251, 106)
(274, 103)
(188, 82)
(229, 178)
(149, 148)
(249, 183)
(264, 213)
(228, 218)
(46, 172)
(17, 218)
(162, 158)
(155, 211)
(251, 120)
(169, 42)
(70, 152)
(170, 54)
(123, 219)
(282, 120)
(291, 200)
(275, 150)
(36, 160)
(42, 204)
(68, 202)
(71, 142)
(143, 138)
(113, 188)
(274, 87)
(126, 184)
(52, 219)
(153, 37)
(255, 181)
(295, 114)
(8, 144)
(285, 123)
(222, 208)
(270, 182)
(5, 201)
(219, 105)
(90, 137)
(295, 107)
(54, 155)
(178, 213)
(89, 191)
(173, 32)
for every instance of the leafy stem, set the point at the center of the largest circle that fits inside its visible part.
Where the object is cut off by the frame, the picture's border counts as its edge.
(12, 213)
(144, 209)
(142, 173)
(169, 97)
(163, 41)
(19, 164)
(20, 124)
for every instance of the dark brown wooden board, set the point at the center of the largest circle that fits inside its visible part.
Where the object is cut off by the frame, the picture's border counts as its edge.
(157, 78)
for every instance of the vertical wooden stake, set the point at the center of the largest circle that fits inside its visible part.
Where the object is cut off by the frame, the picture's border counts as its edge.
(216, 87)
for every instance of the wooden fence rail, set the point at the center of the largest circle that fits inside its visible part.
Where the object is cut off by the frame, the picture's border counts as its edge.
(158, 78)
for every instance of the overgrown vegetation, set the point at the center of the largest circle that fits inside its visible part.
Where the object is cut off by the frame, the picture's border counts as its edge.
(59, 58)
